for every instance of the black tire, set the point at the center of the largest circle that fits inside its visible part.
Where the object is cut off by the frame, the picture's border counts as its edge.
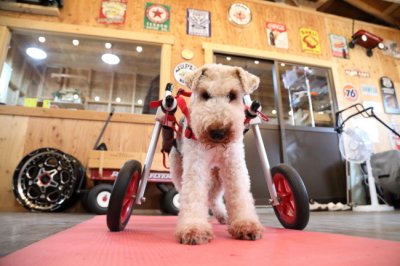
(170, 202)
(293, 211)
(98, 198)
(123, 196)
(46, 180)
(84, 200)
(351, 45)
(369, 53)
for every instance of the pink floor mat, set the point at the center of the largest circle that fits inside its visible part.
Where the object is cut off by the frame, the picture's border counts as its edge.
(149, 240)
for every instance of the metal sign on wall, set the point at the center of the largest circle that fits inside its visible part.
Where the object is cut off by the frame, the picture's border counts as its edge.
(390, 102)
(277, 35)
(198, 22)
(310, 41)
(157, 17)
(113, 11)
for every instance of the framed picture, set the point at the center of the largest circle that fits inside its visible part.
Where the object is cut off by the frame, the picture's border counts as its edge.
(390, 102)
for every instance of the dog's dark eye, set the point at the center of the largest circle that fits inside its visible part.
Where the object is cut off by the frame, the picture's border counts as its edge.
(205, 95)
(232, 96)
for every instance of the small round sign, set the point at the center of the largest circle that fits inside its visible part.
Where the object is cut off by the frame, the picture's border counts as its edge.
(239, 14)
(350, 92)
(181, 69)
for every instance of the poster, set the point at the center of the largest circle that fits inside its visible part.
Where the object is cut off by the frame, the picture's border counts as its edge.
(390, 102)
(339, 46)
(157, 17)
(198, 22)
(310, 41)
(113, 12)
(277, 35)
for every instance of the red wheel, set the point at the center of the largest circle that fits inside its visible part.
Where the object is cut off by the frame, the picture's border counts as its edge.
(293, 211)
(123, 196)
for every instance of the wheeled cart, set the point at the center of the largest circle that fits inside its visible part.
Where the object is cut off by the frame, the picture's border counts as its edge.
(287, 191)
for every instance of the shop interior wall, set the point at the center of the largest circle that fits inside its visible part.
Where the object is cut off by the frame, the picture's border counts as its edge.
(29, 133)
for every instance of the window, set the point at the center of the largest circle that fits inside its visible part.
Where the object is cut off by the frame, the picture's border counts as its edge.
(82, 73)
(306, 96)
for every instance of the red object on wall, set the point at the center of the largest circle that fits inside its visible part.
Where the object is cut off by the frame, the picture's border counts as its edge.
(367, 40)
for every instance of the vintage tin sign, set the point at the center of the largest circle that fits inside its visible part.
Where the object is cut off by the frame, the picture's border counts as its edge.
(339, 46)
(277, 35)
(239, 14)
(198, 22)
(113, 12)
(350, 92)
(157, 17)
(310, 41)
(181, 69)
(390, 102)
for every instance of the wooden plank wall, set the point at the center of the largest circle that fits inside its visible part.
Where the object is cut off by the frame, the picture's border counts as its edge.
(24, 134)
(76, 137)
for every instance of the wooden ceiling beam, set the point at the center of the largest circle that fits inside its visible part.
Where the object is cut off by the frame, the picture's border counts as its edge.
(390, 9)
(373, 11)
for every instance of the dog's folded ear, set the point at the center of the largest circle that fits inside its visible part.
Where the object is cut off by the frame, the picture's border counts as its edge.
(249, 81)
(192, 77)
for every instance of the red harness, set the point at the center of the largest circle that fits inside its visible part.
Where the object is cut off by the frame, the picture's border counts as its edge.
(170, 121)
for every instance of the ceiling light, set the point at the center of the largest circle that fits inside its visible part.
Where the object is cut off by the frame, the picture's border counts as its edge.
(256, 62)
(139, 49)
(282, 64)
(97, 98)
(75, 42)
(273, 112)
(108, 45)
(140, 101)
(228, 58)
(110, 59)
(118, 100)
(42, 39)
(36, 53)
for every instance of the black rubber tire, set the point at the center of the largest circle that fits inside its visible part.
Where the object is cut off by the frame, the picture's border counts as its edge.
(369, 53)
(84, 200)
(93, 203)
(300, 197)
(66, 190)
(168, 204)
(129, 174)
(351, 45)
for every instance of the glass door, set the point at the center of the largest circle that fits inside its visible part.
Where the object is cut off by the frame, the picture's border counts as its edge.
(298, 100)
(310, 142)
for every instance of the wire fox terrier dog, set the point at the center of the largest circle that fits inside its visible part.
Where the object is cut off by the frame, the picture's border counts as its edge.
(210, 167)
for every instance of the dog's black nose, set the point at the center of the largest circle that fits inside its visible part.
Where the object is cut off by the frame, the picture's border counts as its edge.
(217, 134)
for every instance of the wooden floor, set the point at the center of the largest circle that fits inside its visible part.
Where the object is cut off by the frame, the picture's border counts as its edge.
(18, 230)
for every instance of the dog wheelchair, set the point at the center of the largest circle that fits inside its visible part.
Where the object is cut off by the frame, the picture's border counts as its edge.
(288, 195)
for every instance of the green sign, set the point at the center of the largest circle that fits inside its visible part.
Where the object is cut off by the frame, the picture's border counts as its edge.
(156, 17)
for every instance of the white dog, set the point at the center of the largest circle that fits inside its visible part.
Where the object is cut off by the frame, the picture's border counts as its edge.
(211, 166)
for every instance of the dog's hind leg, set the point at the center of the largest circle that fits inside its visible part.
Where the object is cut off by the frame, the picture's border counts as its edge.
(216, 197)
(176, 169)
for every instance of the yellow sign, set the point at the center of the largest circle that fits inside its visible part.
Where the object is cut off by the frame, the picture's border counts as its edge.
(30, 102)
(46, 103)
(310, 41)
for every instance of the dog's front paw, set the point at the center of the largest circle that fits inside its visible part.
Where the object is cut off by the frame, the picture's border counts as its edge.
(195, 234)
(246, 229)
